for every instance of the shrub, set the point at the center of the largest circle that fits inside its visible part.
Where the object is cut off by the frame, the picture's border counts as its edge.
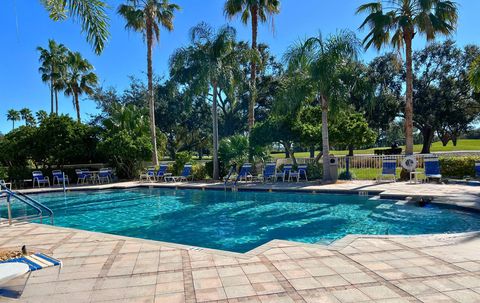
(221, 165)
(344, 175)
(234, 149)
(181, 159)
(3, 173)
(199, 171)
(314, 171)
(458, 167)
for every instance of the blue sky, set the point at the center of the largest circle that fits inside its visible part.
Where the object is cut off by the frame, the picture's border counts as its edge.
(25, 25)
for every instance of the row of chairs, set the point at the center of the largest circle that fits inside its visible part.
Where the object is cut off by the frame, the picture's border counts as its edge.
(269, 173)
(162, 174)
(431, 164)
(104, 175)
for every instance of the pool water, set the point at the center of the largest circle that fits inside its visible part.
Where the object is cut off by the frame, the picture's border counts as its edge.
(241, 221)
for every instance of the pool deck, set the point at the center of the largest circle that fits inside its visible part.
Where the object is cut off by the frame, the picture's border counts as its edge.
(106, 268)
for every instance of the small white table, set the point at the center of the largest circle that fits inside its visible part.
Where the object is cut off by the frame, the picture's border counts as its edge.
(414, 176)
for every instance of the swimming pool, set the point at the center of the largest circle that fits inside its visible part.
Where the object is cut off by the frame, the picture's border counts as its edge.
(241, 221)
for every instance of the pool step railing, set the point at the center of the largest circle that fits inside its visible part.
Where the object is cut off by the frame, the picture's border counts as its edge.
(41, 210)
(227, 178)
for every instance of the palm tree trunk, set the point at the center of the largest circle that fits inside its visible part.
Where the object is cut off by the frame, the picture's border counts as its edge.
(77, 105)
(216, 172)
(409, 98)
(151, 101)
(253, 70)
(56, 102)
(51, 96)
(325, 141)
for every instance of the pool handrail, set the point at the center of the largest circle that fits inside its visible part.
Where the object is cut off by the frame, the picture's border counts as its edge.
(28, 201)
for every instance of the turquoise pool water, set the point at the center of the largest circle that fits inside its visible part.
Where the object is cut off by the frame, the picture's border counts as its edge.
(241, 221)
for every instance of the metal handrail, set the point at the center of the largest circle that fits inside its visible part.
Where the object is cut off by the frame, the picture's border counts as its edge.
(49, 211)
(28, 201)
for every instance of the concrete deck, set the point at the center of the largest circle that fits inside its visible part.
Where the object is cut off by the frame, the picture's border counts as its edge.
(107, 268)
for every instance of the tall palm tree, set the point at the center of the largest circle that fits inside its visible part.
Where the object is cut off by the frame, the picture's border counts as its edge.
(79, 79)
(204, 63)
(27, 116)
(322, 62)
(255, 10)
(396, 23)
(13, 115)
(474, 74)
(147, 16)
(53, 66)
(90, 13)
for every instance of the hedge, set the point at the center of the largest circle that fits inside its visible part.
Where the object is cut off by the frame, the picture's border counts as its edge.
(458, 167)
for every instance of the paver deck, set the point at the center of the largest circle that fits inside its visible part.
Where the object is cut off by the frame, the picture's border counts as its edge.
(106, 268)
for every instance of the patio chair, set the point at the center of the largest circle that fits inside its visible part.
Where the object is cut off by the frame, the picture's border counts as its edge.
(39, 178)
(477, 169)
(269, 172)
(104, 175)
(287, 168)
(432, 168)
(149, 175)
(13, 268)
(244, 173)
(301, 171)
(186, 174)
(81, 176)
(162, 171)
(389, 170)
(58, 177)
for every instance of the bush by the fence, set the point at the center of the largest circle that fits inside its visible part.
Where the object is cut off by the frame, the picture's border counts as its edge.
(315, 171)
(199, 172)
(458, 167)
(221, 166)
(344, 175)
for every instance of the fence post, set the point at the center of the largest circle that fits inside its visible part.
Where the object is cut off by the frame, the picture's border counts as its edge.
(347, 167)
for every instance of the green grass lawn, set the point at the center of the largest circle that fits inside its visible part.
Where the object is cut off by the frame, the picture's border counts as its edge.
(465, 144)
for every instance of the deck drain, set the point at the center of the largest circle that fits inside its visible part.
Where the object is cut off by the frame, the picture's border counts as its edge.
(195, 248)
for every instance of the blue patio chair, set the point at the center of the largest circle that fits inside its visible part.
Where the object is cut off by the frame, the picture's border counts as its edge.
(244, 173)
(432, 168)
(59, 177)
(149, 175)
(162, 170)
(269, 171)
(477, 169)
(81, 176)
(104, 175)
(301, 171)
(186, 174)
(389, 169)
(287, 168)
(39, 178)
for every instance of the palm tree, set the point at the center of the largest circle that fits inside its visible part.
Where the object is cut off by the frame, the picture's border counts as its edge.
(396, 22)
(147, 16)
(13, 115)
(209, 59)
(322, 62)
(474, 74)
(254, 10)
(41, 115)
(52, 69)
(27, 116)
(79, 79)
(91, 14)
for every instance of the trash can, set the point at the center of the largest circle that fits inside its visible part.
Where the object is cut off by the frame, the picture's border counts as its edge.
(333, 166)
